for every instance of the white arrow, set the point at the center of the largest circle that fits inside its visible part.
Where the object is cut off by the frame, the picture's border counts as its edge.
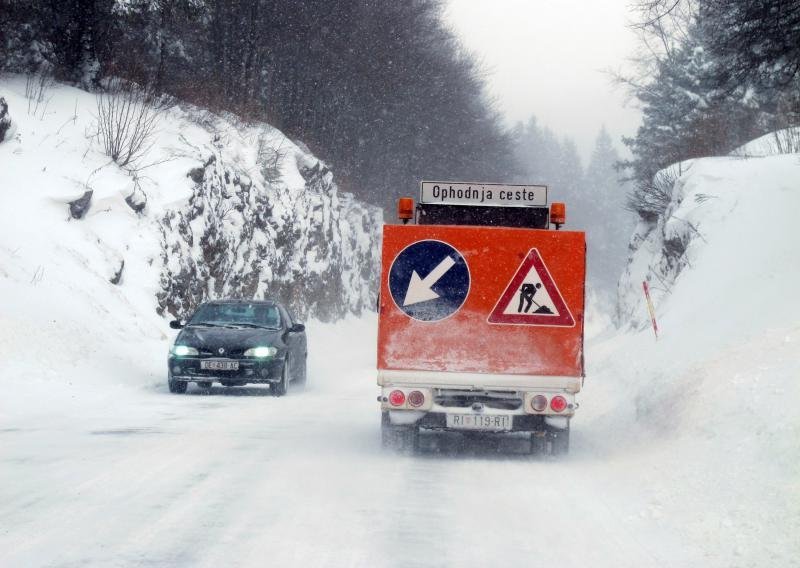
(419, 289)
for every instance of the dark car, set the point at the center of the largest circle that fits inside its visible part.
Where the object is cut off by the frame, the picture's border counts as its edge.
(236, 342)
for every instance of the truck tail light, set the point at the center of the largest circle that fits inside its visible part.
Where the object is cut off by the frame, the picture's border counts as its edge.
(405, 209)
(416, 399)
(539, 402)
(558, 214)
(558, 403)
(397, 398)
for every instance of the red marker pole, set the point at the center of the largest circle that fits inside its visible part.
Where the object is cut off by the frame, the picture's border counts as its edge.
(650, 307)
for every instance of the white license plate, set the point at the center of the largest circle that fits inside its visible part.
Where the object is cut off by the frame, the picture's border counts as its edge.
(478, 422)
(220, 365)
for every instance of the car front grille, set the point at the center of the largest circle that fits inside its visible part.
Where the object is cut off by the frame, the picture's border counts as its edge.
(229, 354)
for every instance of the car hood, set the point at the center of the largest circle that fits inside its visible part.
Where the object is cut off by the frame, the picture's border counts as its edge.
(229, 339)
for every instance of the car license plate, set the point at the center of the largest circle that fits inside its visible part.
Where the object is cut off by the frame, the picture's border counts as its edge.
(478, 422)
(220, 365)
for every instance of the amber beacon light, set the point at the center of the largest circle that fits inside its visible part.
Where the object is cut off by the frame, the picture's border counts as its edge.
(558, 214)
(405, 209)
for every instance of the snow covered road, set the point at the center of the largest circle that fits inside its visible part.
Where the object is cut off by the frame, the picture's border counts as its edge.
(236, 477)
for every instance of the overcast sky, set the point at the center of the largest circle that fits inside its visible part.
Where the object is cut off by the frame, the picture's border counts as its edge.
(547, 57)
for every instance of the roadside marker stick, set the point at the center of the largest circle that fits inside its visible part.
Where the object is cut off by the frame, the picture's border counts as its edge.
(650, 307)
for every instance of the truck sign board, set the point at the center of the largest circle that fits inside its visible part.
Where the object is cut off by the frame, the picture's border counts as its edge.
(474, 299)
(485, 194)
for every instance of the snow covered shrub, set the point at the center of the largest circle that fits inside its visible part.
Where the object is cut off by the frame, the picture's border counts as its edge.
(270, 157)
(126, 122)
(787, 141)
(650, 200)
(37, 91)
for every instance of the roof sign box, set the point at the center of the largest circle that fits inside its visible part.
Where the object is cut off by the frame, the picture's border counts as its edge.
(532, 297)
(486, 194)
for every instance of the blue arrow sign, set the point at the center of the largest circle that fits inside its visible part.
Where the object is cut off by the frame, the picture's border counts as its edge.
(429, 280)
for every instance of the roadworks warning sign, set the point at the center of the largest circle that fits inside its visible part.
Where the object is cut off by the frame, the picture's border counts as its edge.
(532, 297)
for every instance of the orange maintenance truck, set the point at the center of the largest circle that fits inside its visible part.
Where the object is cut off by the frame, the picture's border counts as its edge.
(481, 315)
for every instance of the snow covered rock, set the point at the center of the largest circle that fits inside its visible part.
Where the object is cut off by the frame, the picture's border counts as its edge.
(5, 120)
(305, 246)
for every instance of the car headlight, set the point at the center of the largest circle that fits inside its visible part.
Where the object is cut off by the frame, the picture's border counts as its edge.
(184, 351)
(261, 352)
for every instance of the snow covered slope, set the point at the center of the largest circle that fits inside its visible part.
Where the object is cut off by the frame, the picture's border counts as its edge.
(227, 209)
(725, 253)
(709, 412)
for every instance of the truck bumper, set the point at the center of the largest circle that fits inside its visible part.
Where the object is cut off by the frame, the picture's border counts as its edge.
(487, 405)
(479, 381)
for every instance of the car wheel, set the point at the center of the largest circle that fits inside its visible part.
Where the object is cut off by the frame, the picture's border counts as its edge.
(300, 379)
(279, 389)
(177, 387)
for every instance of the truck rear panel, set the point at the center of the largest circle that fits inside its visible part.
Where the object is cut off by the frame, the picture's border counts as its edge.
(467, 299)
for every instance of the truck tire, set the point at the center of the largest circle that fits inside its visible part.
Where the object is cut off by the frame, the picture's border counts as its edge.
(404, 439)
(558, 441)
(538, 443)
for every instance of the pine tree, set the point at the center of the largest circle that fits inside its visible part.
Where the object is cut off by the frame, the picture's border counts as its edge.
(687, 113)
(753, 40)
(608, 224)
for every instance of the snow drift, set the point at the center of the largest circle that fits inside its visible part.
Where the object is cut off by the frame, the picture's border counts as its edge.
(709, 410)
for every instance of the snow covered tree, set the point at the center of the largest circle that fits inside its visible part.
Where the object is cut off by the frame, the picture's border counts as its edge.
(753, 40)
(687, 113)
(545, 159)
(382, 91)
(604, 217)
(713, 74)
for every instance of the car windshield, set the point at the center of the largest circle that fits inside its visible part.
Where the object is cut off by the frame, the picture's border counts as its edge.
(244, 314)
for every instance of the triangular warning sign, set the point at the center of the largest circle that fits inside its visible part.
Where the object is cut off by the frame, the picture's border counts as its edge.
(532, 297)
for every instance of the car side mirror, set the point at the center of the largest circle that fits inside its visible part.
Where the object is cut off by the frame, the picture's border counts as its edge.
(176, 324)
(297, 328)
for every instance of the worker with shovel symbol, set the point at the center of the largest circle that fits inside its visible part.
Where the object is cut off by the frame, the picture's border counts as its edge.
(526, 294)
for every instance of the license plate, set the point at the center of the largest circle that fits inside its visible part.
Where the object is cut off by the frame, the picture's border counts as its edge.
(220, 365)
(478, 422)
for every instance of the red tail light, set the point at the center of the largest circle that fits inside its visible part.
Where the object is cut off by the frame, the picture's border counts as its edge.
(416, 399)
(539, 403)
(558, 403)
(397, 398)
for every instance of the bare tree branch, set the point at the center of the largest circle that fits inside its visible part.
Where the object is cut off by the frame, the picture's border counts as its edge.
(126, 122)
